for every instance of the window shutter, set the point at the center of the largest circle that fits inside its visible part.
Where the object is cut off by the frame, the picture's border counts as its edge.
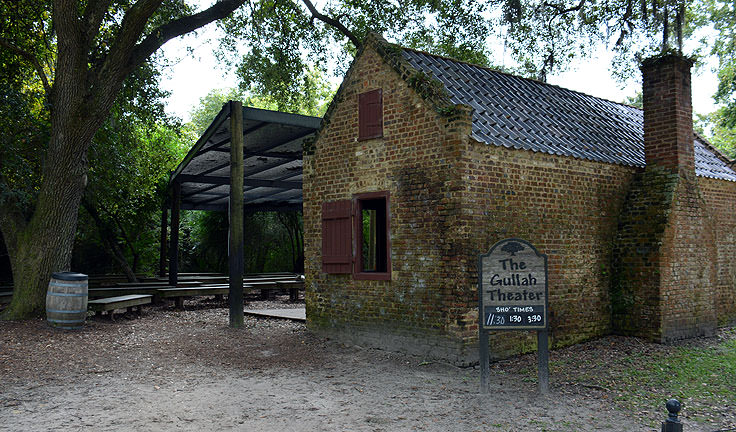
(370, 114)
(337, 244)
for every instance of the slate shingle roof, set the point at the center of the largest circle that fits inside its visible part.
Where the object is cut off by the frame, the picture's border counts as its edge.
(525, 114)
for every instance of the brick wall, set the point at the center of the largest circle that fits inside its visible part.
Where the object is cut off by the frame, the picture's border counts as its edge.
(688, 262)
(720, 199)
(414, 161)
(635, 285)
(568, 209)
(665, 259)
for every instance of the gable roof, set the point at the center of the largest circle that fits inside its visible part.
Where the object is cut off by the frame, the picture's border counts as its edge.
(526, 114)
(520, 113)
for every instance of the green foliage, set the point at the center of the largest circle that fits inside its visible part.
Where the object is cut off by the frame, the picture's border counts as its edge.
(131, 153)
(205, 240)
(639, 376)
(716, 126)
(130, 161)
(281, 37)
(24, 115)
(636, 101)
(722, 16)
(545, 36)
(204, 113)
(309, 94)
(308, 97)
(427, 86)
(287, 50)
(80, 53)
(687, 374)
(268, 243)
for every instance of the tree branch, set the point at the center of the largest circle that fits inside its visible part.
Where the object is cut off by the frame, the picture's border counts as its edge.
(94, 13)
(133, 25)
(178, 27)
(561, 11)
(333, 22)
(30, 58)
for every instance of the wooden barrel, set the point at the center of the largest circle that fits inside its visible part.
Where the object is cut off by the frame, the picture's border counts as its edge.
(66, 300)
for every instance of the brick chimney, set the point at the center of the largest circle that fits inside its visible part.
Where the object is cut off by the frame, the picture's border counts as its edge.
(663, 271)
(668, 113)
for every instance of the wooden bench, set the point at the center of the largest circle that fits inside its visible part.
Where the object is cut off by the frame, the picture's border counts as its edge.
(293, 286)
(5, 297)
(203, 279)
(159, 284)
(128, 302)
(269, 288)
(107, 280)
(123, 291)
(180, 292)
(269, 279)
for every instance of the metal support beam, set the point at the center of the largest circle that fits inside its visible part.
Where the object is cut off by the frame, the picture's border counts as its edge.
(174, 241)
(184, 196)
(211, 180)
(235, 250)
(221, 143)
(269, 154)
(262, 149)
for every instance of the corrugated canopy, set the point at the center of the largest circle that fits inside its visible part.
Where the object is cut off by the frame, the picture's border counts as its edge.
(272, 160)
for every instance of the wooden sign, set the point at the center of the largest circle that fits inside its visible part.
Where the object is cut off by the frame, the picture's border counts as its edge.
(512, 295)
(513, 287)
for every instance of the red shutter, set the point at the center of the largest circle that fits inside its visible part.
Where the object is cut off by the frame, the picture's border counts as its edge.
(370, 114)
(337, 241)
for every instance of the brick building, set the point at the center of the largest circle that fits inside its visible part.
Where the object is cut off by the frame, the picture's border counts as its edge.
(423, 162)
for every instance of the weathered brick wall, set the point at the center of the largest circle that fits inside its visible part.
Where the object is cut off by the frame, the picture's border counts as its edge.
(568, 209)
(664, 267)
(688, 266)
(636, 281)
(414, 161)
(720, 198)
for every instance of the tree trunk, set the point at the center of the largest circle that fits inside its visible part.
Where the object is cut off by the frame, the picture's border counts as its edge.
(44, 245)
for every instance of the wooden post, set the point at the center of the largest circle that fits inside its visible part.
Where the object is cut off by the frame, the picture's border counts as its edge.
(483, 354)
(235, 241)
(485, 367)
(162, 249)
(174, 241)
(543, 361)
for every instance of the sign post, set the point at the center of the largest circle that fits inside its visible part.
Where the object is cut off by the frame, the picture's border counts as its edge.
(513, 295)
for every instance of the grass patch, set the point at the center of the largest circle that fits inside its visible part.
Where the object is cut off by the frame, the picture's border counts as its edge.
(700, 373)
(703, 379)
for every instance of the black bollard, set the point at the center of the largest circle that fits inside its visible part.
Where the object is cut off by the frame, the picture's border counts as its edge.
(672, 424)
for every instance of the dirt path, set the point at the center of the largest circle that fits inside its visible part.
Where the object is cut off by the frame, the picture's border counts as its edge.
(189, 371)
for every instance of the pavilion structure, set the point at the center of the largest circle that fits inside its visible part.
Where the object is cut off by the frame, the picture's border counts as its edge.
(248, 159)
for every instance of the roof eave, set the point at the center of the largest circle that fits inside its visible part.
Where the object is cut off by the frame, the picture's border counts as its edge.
(211, 129)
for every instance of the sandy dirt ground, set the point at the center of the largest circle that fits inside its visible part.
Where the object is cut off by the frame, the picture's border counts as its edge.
(187, 371)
